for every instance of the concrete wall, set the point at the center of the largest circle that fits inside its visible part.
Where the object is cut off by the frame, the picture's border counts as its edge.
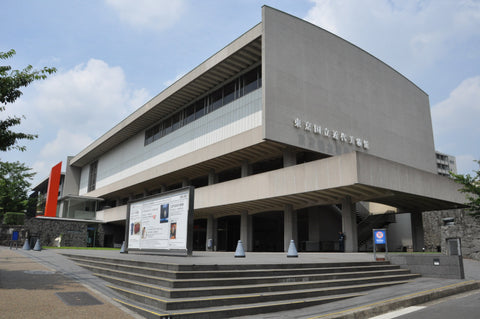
(437, 266)
(314, 76)
(132, 157)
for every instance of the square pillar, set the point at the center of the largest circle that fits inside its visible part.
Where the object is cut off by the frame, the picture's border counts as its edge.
(349, 225)
(245, 230)
(289, 157)
(212, 177)
(416, 221)
(210, 231)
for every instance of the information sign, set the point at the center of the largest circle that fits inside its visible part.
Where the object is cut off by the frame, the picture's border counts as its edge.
(380, 236)
(162, 223)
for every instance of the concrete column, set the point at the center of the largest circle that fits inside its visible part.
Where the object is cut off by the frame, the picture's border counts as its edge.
(289, 157)
(289, 227)
(212, 177)
(244, 229)
(349, 225)
(313, 224)
(417, 231)
(246, 169)
(250, 233)
(210, 230)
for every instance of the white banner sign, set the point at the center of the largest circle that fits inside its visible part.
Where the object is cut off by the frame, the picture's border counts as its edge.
(161, 222)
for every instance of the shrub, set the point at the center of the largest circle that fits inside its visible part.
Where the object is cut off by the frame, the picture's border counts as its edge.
(14, 218)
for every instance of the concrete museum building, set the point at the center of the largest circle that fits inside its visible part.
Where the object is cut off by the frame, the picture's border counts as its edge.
(289, 132)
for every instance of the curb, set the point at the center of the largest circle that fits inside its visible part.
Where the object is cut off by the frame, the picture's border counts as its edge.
(384, 306)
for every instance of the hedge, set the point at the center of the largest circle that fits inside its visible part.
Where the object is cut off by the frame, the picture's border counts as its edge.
(14, 218)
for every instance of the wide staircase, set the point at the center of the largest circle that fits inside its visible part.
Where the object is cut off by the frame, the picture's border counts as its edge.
(161, 290)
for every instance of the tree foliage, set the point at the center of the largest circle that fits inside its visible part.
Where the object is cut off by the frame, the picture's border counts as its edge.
(11, 83)
(14, 185)
(471, 189)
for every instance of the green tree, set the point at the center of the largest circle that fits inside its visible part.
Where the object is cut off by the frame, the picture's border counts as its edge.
(471, 189)
(14, 185)
(11, 81)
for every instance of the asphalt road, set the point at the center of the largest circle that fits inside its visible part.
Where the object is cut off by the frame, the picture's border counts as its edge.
(464, 306)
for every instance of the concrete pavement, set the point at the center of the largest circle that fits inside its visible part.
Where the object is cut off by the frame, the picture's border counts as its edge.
(29, 294)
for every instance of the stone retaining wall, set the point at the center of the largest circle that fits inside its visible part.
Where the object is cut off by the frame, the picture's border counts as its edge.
(466, 227)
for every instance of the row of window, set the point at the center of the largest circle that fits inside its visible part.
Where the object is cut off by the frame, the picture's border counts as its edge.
(231, 91)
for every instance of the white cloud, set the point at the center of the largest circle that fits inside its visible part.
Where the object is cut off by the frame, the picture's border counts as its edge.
(408, 34)
(455, 123)
(88, 99)
(149, 14)
(71, 109)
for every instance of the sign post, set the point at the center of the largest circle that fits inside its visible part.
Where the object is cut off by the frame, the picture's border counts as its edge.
(14, 240)
(379, 238)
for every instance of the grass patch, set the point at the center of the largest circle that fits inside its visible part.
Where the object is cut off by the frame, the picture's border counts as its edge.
(83, 248)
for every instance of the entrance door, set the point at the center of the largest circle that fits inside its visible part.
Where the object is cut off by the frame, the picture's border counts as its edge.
(199, 234)
(268, 231)
(228, 233)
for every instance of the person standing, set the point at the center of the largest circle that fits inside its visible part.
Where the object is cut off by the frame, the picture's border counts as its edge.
(341, 241)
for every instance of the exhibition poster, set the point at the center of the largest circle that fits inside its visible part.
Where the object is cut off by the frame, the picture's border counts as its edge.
(161, 222)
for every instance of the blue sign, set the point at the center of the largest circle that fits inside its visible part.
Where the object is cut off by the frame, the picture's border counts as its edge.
(380, 236)
(15, 235)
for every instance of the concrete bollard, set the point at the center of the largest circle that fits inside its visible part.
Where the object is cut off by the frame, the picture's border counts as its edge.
(26, 246)
(37, 247)
(292, 250)
(239, 252)
(122, 250)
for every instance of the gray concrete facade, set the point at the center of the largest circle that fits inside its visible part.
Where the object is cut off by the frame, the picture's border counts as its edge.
(329, 126)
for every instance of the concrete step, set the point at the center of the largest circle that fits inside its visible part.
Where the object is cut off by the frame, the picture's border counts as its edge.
(157, 290)
(168, 304)
(249, 288)
(190, 283)
(232, 311)
(228, 267)
(275, 270)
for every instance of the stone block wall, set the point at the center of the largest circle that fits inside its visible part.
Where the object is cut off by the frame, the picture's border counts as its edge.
(466, 227)
(74, 234)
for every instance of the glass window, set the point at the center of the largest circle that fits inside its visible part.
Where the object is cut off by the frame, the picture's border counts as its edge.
(176, 121)
(239, 88)
(228, 92)
(92, 176)
(189, 114)
(250, 81)
(216, 99)
(158, 131)
(200, 109)
(167, 126)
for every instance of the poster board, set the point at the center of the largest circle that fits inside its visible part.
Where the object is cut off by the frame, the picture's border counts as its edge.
(161, 223)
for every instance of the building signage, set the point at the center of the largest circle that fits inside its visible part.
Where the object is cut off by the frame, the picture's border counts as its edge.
(379, 237)
(162, 223)
(333, 134)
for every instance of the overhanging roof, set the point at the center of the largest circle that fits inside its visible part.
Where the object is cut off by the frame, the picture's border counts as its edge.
(239, 55)
(360, 176)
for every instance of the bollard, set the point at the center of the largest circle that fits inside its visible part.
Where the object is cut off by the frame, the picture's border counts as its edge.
(26, 246)
(37, 247)
(292, 250)
(239, 252)
(122, 250)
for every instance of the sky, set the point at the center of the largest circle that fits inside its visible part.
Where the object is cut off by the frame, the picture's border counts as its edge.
(112, 56)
